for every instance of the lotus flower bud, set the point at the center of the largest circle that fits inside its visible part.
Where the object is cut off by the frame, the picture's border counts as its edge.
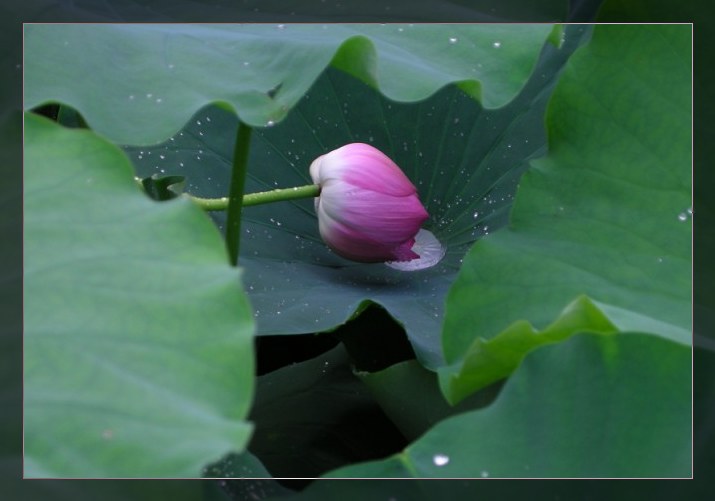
(368, 210)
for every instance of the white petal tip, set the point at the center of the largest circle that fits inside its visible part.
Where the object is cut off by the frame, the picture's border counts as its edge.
(430, 250)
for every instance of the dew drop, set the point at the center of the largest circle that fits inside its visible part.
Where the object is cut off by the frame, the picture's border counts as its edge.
(453, 40)
(496, 45)
(270, 123)
(682, 216)
(484, 474)
(131, 97)
(440, 459)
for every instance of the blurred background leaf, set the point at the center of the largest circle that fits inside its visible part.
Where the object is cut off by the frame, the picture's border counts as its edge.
(139, 84)
(593, 406)
(607, 213)
(138, 337)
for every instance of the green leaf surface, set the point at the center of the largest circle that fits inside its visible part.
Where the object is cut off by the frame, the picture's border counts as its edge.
(703, 151)
(138, 337)
(593, 406)
(315, 416)
(139, 84)
(606, 213)
(464, 160)
(410, 395)
(489, 360)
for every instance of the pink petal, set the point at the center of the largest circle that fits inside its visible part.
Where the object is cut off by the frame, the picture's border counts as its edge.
(366, 167)
(352, 244)
(378, 216)
(368, 210)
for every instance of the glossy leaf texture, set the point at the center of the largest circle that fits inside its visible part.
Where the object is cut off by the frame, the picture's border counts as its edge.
(139, 84)
(138, 336)
(606, 214)
(593, 406)
(464, 160)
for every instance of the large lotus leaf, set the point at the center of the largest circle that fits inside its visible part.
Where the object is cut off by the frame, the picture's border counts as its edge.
(315, 416)
(139, 84)
(464, 160)
(138, 337)
(410, 395)
(592, 406)
(703, 151)
(606, 214)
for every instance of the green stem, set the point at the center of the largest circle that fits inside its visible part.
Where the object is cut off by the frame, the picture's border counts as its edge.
(235, 193)
(263, 197)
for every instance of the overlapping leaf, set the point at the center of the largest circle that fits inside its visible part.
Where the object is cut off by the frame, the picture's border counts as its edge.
(315, 416)
(139, 84)
(581, 408)
(606, 214)
(464, 160)
(138, 337)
